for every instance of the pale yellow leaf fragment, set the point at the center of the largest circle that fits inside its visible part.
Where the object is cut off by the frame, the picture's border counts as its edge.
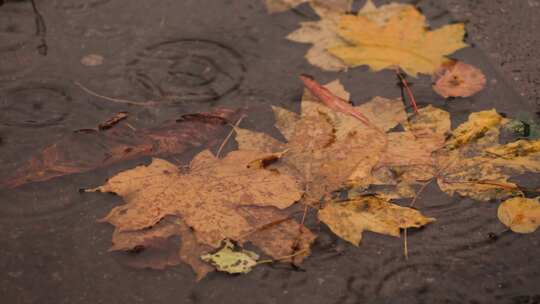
(521, 215)
(350, 218)
(231, 260)
(400, 41)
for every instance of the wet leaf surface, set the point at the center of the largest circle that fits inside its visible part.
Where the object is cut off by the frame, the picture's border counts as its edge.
(179, 57)
(349, 219)
(82, 152)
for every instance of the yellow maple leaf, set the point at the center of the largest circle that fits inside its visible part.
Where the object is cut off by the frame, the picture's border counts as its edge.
(350, 218)
(402, 41)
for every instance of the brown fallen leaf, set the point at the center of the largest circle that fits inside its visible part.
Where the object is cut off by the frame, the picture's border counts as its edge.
(458, 79)
(217, 198)
(521, 215)
(83, 152)
(109, 123)
(350, 218)
(327, 146)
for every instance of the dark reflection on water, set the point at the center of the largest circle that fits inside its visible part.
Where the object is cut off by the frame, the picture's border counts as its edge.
(189, 56)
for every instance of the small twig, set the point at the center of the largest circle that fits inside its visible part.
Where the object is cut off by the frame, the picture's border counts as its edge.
(116, 100)
(424, 186)
(41, 30)
(127, 124)
(489, 183)
(405, 245)
(408, 89)
(229, 136)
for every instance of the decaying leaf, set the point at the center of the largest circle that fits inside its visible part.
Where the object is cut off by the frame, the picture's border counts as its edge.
(474, 164)
(399, 40)
(521, 215)
(85, 151)
(217, 198)
(458, 79)
(327, 146)
(350, 218)
(227, 259)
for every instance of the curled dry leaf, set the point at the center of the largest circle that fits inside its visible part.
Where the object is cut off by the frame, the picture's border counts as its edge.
(399, 40)
(85, 151)
(458, 79)
(521, 215)
(216, 199)
(350, 218)
(231, 260)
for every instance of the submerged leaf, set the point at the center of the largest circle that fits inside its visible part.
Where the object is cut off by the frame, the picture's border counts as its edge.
(402, 41)
(227, 259)
(83, 152)
(521, 215)
(350, 218)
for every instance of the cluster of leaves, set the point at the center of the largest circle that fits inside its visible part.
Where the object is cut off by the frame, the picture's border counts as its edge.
(252, 195)
(218, 205)
(392, 36)
(247, 195)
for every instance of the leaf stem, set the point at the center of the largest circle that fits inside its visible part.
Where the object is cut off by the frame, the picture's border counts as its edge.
(408, 90)
(226, 140)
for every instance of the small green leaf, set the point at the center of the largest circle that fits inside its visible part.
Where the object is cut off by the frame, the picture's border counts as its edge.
(231, 260)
